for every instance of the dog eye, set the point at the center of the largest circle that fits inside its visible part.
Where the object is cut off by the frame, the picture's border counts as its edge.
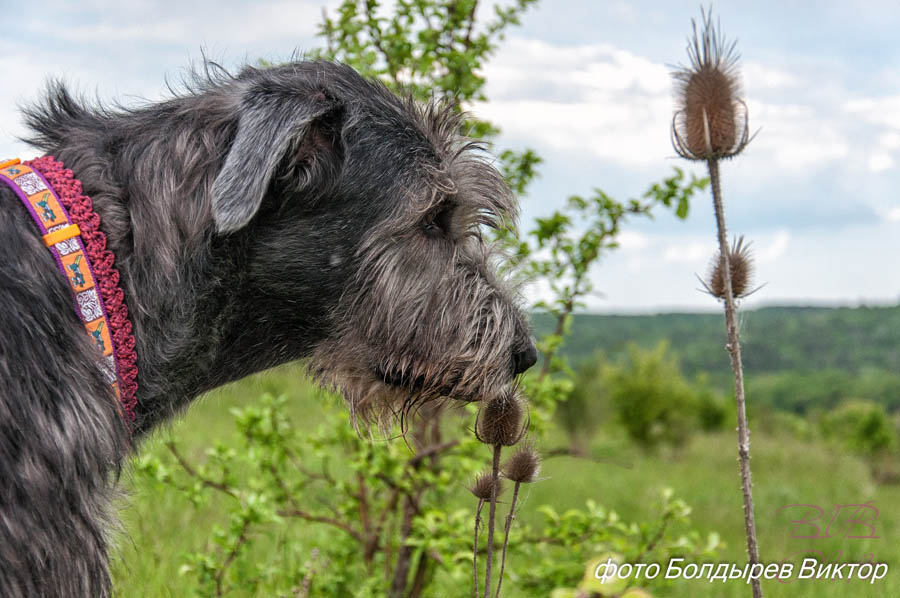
(437, 220)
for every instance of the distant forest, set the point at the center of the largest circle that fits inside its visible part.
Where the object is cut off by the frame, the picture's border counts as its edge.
(795, 358)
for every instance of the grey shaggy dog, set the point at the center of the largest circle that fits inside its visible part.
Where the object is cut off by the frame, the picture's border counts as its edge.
(286, 213)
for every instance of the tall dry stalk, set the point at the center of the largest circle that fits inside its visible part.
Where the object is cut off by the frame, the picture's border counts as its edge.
(522, 468)
(711, 124)
(483, 489)
(500, 423)
(495, 487)
(734, 351)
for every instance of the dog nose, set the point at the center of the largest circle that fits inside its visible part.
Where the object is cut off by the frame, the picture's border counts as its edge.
(524, 358)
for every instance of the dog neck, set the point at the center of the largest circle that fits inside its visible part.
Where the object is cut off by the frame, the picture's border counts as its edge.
(206, 310)
(69, 227)
(186, 287)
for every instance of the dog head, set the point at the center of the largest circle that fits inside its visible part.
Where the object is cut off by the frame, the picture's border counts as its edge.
(367, 216)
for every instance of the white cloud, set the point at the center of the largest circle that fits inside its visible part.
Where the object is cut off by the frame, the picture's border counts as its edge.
(884, 111)
(759, 76)
(202, 22)
(29, 71)
(796, 137)
(615, 105)
(632, 240)
(197, 22)
(776, 249)
(892, 215)
(593, 99)
(117, 48)
(889, 140)
(587, 71)
(880, 161)
(688, 252)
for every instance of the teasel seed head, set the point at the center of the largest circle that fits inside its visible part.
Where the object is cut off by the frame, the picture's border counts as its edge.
(523, 466)
(481, 488)
(711, 119)
(740, 261)
(501, 421)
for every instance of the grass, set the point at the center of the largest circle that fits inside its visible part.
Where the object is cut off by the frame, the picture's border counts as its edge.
(162, 526)
(786, 471)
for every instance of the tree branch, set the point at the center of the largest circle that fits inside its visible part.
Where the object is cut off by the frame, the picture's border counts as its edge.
(189, 469)
(467, 40)
(321, 519)
(220, 574)
(432, 450)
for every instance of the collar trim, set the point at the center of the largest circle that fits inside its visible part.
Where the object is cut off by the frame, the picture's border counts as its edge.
(71, 231)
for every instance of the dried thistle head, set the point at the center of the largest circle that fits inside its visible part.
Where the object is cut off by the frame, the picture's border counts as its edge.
(740, 262)
(501, 420)
(711, 119)
(523, 466)
(481, 487)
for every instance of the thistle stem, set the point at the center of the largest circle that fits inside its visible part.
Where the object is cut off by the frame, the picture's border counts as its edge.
(509, 518)
(734, 350)
(495, 483)
(475, 550)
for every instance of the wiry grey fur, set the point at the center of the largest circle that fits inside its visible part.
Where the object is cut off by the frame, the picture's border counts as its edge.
(293, 212)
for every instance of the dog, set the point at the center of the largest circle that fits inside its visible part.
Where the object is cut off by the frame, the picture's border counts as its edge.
(286, 213)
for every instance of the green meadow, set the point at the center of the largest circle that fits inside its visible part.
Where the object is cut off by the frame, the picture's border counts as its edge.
(160, 526)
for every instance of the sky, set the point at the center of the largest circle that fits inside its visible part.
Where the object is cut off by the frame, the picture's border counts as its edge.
(587, 85)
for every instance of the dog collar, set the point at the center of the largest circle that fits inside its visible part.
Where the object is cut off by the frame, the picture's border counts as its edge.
(71, 231)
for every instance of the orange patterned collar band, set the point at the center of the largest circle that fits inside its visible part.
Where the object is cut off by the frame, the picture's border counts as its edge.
(70, 228)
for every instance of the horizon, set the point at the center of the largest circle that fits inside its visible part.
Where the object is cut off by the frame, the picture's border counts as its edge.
(675, 310)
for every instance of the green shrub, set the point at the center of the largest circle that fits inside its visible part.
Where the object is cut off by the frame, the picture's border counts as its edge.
(651, 398)
(863, 427)
(713, 411)
(583, 411)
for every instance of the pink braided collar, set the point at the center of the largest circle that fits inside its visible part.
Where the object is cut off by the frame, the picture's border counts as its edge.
(102, 261)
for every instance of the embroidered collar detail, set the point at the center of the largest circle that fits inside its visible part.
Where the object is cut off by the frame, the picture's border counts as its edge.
(71, 231)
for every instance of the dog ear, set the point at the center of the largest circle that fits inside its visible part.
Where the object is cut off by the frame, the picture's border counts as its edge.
(272, 124)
